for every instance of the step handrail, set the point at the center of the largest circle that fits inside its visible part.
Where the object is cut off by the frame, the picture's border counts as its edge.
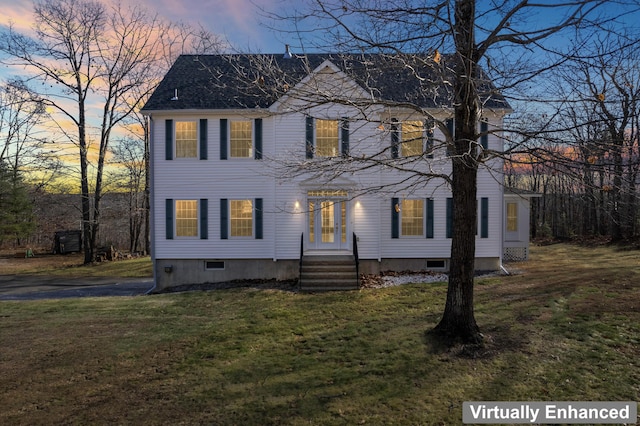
(300, 264)
(357, 258)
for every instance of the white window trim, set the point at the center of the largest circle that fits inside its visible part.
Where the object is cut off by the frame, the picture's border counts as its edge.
(175, 141)
(253, 220)
(401, 137)
(315, 137)
(424, 220)
(252, 151)
(175, 220)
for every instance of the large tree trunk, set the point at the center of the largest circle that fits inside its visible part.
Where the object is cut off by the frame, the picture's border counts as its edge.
(458, 321)
(147, 188)
(87, 235)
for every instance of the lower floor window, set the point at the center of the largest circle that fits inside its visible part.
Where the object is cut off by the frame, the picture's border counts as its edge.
(412, 217)
(241, 218)
(512, 217)
(186, 218)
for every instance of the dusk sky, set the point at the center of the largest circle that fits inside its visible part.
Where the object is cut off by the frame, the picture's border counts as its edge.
(237, 20)
(241, 22)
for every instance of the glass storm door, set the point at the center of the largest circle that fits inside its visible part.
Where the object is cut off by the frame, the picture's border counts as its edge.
(327, 224)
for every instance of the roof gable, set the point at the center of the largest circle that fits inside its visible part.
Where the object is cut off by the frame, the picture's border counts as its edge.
(218, 82)
(326, 83)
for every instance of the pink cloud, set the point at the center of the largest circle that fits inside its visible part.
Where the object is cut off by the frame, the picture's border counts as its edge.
(20, 14)
(236, 20)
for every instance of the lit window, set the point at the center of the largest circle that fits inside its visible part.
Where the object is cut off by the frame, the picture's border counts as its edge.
(241, 218)
(186, 218)
(327, 142)
(412, 217)
(186, 139)
(411, 138)
(241, 144)
(512, 217)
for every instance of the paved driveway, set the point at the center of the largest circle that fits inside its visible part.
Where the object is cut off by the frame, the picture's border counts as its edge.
(26, 287)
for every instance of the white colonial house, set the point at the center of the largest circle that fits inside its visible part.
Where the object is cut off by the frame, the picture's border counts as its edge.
(317, 167)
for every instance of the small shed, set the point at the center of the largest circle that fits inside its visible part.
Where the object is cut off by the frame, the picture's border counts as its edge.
(67, 242)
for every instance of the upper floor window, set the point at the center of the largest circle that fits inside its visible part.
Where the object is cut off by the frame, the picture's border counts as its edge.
(412, 138)
(327, 141)
(241, 139)
(186, 139)
(327, 138)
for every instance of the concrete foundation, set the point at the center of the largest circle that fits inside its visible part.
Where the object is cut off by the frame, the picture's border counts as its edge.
(176, 272)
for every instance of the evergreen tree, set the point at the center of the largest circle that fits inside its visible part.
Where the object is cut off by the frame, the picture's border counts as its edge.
(16, 208)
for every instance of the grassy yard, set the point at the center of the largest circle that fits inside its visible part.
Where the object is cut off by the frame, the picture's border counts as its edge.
(566, 328)
(71, 265)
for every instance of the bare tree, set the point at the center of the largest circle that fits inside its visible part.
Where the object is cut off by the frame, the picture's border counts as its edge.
(22, 141)
(591, 142)
(85, 54)
(128, 154)
(23, 158)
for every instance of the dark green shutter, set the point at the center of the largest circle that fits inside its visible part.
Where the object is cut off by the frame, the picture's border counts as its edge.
(309, 137)
(429, 147)
(224, 219)
(452, 133)
(449, 217)
(484, 136)
(429, 218)
(257, 152)
(203, 138)
(204, 219)
(168, 139)
(345, 136)
(395, 138)
(395, 218)
(169, 218)
(484, 217)
(258, 215)
(223, 138)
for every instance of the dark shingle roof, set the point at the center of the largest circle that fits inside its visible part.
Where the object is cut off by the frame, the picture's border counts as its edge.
(257, 81)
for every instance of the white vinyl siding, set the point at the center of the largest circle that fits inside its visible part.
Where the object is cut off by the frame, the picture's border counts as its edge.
(367, 215)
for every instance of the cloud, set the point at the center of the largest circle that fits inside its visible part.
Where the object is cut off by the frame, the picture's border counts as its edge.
(236, 20)
(19, 14)
(239, 21)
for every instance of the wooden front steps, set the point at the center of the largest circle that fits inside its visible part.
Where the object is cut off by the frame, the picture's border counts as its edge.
(328, 272)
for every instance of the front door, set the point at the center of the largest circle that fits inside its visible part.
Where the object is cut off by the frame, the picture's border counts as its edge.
(327, 222)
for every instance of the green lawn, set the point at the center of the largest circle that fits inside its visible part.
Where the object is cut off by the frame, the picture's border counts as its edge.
(567, 328)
